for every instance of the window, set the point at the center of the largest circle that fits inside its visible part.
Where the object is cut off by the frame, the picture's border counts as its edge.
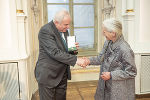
(84, 23)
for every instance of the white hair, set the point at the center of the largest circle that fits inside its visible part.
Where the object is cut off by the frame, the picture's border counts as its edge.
(59, 16)
(113, 25)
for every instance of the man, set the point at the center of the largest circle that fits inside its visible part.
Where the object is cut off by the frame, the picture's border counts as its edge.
(53, 65)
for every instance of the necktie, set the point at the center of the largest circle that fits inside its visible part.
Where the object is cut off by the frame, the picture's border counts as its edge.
(64, 41)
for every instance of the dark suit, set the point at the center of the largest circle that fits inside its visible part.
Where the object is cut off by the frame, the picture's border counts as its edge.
(53, 65)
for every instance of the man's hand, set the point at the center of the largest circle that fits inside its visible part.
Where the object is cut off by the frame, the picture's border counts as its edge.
(77, 45)
(83, 62)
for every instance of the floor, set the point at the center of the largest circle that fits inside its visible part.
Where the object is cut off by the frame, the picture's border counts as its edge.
(85, 91)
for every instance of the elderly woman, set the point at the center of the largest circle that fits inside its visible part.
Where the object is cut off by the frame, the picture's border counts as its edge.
(118, 70)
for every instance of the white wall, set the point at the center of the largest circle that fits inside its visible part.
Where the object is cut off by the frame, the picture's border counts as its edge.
(144, 35)
(13, 43)
(142, 45)
(8, 30)
(142, 26)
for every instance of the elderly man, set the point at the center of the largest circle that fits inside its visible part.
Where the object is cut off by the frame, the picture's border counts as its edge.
(53, 65)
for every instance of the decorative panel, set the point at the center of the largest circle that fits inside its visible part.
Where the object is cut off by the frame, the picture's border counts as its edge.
(9, 85)
(145, 73)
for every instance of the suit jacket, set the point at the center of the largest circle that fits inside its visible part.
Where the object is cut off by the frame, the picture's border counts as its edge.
(53, 60)
(119, 60)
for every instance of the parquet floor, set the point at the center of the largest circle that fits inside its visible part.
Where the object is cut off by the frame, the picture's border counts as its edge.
(85, 91)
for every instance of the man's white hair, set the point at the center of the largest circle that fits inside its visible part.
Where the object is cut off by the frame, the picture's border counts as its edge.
(113, 25)
(59, 16)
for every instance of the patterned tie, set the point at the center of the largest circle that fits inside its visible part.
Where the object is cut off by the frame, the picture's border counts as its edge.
(64, 41)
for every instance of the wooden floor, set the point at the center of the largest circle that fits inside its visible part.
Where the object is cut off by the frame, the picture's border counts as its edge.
(85, 91)
(81, 90)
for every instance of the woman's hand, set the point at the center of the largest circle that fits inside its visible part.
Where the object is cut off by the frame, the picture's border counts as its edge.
(105, 76)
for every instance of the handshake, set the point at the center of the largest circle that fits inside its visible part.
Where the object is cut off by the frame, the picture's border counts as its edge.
(83, 62)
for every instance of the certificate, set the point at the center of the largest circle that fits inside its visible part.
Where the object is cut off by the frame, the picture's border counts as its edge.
(71, 43)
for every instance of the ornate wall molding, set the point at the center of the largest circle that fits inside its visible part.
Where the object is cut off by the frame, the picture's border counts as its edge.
(35, 10)
(108, 8)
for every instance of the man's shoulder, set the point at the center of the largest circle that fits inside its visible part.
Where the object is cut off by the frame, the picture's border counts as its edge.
(46, 27)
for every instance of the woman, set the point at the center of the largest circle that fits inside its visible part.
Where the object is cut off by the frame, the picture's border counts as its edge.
(118, 70)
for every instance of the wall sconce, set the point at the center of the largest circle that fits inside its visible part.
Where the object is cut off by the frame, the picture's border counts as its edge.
(129, 10)
(19, 11)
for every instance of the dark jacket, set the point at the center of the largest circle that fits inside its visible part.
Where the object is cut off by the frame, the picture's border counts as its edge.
(53, 60)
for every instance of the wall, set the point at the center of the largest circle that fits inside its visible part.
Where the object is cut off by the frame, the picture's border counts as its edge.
(8, 28)
(142, 26)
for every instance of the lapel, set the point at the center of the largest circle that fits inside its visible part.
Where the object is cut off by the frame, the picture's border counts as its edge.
(114, 48)
(117, 43)
(55, 30)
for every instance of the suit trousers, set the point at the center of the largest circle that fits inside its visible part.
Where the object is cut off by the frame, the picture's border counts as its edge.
(54, 93)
